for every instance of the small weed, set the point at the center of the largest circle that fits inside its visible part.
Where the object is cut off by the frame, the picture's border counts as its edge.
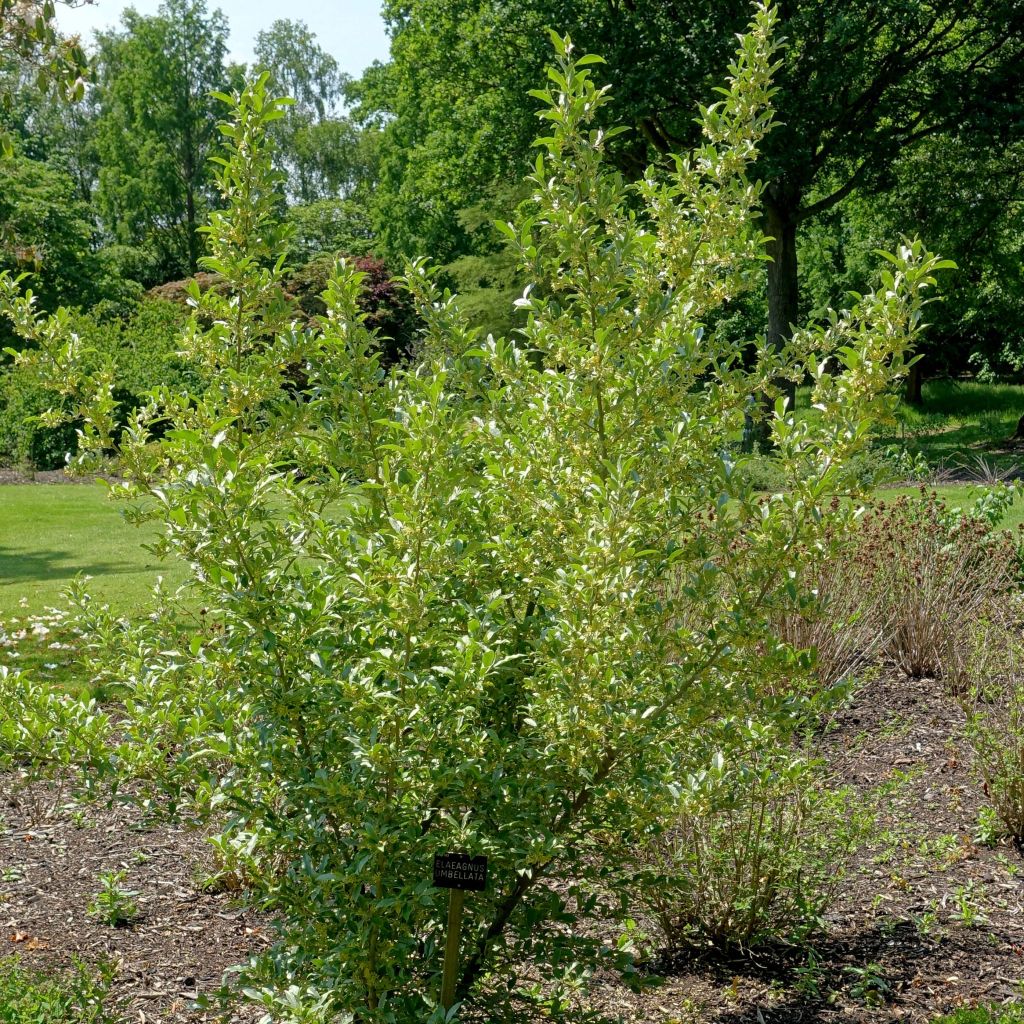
(113, 905)
(988, 829)
(869, 984)
(895, 726)
(943, 850)
(927, 924)
(81, 820)
(810, 979)
(690, 1012)
(969, 911)
(1012, 869)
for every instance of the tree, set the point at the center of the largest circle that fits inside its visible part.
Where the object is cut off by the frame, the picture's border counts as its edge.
(46, 127)
(325, 155)
(157, 126)
(978, 224)
(31, 48)
(47, 232)
(862, 84)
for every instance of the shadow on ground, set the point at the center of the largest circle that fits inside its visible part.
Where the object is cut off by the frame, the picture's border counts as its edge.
(22, 566)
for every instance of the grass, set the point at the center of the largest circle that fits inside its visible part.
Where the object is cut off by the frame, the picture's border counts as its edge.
(50, 534)
(962, 422)
(958, 425)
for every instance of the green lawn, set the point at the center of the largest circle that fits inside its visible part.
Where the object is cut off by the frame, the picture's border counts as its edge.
(959, 425)
(962, 422)
(51, 533)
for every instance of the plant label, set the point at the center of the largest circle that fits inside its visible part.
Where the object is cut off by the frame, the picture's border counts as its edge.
(460, 871)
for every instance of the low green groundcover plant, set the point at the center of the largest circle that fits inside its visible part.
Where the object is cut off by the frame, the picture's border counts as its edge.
(485, 601)
(994, 1014)
(31, 997)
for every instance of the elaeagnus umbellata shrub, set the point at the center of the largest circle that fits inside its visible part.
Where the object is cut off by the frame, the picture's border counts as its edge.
(481, 602)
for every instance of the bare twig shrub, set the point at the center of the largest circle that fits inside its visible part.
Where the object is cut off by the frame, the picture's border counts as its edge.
(936, 573)
(912, 584)
(756, 850)
(845, 632)
(995, 708)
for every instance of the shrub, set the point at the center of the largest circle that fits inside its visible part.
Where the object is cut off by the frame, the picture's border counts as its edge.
(388, 309)
(837, 620)
(48, 735)
(25, 440)
(995, 707)
(754, 850)
(500, 586)
(141, 351)
(935, 572)
(912, 583)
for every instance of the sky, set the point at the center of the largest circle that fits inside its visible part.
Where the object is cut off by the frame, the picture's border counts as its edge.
(352, 31)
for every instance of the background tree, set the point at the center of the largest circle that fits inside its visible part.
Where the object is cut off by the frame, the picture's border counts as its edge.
(43, 125)
(863, 85)
(29, 39)
(320, 149)
(47, 231)
(156, 128)
(979, 223)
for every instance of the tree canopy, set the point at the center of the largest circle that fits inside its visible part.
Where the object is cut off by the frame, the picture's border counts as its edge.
(861, 87)
(156, 127)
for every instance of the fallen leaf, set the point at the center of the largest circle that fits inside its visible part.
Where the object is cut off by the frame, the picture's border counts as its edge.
(20, 937)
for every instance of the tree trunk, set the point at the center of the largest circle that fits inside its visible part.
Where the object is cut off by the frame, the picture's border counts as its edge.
(190, 227)
(783, 285)
(915, 378)
(781, 205)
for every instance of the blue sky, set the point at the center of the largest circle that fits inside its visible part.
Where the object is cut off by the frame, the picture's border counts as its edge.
(350, 30)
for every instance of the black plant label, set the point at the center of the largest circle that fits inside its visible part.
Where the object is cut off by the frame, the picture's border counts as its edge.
(460, 871)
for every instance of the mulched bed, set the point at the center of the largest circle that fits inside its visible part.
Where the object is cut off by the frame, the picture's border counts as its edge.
(928, 920)
(46, 476)
(184, 938)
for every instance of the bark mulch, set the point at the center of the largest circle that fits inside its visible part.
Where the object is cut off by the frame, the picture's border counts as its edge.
(11, 475)
(184, 937)
(928, 920)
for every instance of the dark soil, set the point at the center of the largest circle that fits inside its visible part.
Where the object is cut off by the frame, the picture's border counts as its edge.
(928, 920)
(183, 939)
(9, 475)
